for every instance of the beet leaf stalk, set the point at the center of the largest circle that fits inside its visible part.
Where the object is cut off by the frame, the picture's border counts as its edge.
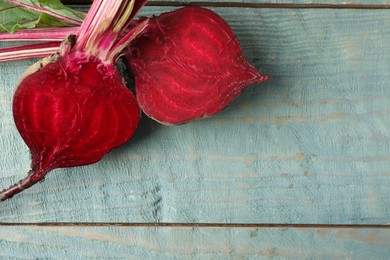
(29, 51)
(72, 108)
(49, 42)
(41, 34)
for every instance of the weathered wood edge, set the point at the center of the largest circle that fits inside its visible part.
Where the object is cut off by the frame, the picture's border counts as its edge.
(193, 225)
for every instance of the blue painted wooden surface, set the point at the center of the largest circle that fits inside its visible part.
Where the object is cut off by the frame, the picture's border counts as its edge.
(311, 146)
(192, 243)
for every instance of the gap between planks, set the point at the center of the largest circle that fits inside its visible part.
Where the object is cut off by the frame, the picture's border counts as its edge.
(200, 225)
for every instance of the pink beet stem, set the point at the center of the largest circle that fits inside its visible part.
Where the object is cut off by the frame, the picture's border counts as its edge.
(41, 34)
(30, 51)
(106, 22)
(43, 10)
(31, 179)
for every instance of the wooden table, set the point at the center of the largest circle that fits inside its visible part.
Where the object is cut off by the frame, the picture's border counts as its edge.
(298, 167)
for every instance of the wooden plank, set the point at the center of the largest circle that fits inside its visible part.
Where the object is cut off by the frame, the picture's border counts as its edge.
(192, 243)
(310, 146)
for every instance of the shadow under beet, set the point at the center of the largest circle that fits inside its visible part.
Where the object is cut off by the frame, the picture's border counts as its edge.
(146, 125)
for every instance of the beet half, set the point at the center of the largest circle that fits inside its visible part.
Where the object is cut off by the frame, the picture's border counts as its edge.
(71, 117)
(73, 107)
(188, 64)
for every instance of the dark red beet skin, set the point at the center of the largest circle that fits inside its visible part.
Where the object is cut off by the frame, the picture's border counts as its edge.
(188, 65)
(71, 115)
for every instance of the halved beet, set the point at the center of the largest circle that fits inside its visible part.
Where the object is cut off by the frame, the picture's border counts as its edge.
(188, 65)
(73, 107)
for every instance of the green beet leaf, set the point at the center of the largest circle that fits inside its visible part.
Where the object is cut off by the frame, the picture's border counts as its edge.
(36, 14)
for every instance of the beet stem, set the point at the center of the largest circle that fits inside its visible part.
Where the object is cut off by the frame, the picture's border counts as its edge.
(39, 34)
(31, 179)
(29, 51)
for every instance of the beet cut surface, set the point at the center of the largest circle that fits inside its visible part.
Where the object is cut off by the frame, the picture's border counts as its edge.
(188, 65)
(72, 115)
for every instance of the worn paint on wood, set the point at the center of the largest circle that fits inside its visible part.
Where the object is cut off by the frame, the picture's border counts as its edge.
(310, 146)
(192, 243)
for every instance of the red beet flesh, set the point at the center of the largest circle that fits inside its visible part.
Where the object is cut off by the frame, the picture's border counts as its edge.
(71, 113)
(188, 65)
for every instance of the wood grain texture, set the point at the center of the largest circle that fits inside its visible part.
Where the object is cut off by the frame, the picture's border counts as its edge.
(310, 146)
(192, 243)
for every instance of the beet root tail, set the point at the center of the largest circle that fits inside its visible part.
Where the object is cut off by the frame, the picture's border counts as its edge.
(31, 179)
